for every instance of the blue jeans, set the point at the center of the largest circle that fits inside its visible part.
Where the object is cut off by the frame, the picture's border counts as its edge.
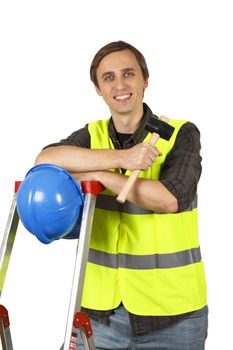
(187, 334)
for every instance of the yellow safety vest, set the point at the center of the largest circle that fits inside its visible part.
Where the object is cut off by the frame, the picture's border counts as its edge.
(150, 261)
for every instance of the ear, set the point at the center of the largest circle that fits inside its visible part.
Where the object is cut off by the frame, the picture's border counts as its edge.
(146, 82)
(97, 89)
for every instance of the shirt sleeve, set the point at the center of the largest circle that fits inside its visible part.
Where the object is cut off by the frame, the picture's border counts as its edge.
(182, 168)
(79, 138)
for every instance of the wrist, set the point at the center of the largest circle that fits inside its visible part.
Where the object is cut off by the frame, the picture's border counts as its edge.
(120, 159)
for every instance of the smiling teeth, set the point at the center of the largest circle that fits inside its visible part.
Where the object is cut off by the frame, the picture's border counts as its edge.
(122, 97)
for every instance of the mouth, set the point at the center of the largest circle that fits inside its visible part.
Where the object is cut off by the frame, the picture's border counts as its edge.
(123, 98)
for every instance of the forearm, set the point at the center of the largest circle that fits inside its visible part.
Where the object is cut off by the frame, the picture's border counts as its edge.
(78, 159)
(148, 194)
(153, 195)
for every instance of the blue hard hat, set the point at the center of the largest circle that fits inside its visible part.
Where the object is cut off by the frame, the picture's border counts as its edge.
(50, 203)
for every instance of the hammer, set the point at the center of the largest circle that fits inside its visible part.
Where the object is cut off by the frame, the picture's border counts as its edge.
(158, 128)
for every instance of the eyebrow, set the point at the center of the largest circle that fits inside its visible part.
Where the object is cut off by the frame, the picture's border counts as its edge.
(124, 70)
(129, 69)
(106, 73)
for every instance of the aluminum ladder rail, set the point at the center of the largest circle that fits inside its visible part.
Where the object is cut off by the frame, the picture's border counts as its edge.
(5, 254)
(76, 319)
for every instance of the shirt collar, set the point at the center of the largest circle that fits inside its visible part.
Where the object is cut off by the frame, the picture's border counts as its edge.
(139, 134)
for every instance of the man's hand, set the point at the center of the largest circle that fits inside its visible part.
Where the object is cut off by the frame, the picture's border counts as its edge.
(139, 157)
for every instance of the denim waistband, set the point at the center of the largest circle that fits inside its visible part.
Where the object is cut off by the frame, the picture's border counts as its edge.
(140, 324)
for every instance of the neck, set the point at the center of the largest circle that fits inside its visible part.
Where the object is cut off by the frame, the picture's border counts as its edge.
(127, 123)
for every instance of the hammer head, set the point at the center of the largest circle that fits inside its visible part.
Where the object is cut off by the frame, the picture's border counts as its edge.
(155, 125)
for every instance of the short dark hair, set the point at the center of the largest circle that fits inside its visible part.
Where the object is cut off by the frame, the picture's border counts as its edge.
(114, 47)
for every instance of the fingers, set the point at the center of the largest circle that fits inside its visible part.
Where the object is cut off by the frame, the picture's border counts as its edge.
(148, 156)
(141, 156)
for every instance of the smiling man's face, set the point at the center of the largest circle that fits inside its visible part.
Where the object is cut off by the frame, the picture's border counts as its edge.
(121, 82)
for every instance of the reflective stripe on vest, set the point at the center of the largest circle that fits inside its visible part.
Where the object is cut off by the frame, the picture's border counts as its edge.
(107, 202)
(145, 262)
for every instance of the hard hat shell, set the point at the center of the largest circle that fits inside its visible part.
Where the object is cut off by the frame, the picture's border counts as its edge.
(50, 203)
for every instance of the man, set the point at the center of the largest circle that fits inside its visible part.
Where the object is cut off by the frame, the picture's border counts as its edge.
(145, 284)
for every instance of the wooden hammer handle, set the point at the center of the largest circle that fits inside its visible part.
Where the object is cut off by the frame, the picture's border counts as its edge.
(121, 198)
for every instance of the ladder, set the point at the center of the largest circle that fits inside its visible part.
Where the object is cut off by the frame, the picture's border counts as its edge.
(77, 321)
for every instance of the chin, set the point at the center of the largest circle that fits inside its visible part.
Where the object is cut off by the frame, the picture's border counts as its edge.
(123, 111)
(123, 108)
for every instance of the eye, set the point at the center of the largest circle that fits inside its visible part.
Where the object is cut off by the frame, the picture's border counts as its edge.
(109, 77)
(128, 74)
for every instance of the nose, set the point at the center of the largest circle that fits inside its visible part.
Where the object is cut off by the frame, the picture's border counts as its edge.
(119, 83)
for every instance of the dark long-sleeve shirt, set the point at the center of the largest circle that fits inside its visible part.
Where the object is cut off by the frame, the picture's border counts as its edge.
(182, 169)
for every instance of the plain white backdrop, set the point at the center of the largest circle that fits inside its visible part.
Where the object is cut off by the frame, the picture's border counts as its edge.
(46, 48)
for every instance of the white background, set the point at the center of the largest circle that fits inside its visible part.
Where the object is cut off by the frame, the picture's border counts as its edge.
(45, 93)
